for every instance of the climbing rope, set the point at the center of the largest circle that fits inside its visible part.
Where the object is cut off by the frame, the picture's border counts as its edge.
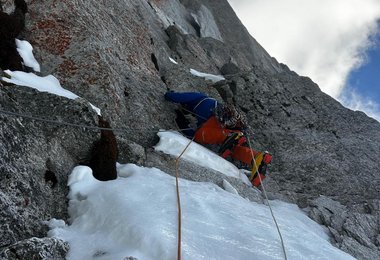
(267, 200)
(179, 201)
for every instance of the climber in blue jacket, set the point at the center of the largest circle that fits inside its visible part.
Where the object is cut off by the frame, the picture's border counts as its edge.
(220, 119)
(200, 105)
(220, 124)
(197, 104)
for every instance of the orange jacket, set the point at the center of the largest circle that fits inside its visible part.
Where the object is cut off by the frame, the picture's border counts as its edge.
(212, 132)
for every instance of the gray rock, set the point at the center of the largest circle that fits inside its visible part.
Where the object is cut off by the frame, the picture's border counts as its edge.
(172, 12)
(328, 212)
(357, 250)
(36, 248)
(35, 159)
(130, 152)
(235, 35)
(362, 227)
(206, 22)
(353, 232)
(229, 69)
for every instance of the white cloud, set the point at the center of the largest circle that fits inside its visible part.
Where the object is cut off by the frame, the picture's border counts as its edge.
(322, 39)
(355, 101)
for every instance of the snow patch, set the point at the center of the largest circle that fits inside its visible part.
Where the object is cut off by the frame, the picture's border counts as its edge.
(25, 50)
(213, 78)
(136, 216)
(174, 143)
(173, 61)
(48, 84)
(228, 187)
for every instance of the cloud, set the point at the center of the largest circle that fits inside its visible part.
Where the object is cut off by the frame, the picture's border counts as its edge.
(353, 100)
(322, 39)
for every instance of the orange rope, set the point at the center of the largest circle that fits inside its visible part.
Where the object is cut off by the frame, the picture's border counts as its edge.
(179, 201)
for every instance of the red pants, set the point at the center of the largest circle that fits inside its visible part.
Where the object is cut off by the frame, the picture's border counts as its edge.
(211, 132)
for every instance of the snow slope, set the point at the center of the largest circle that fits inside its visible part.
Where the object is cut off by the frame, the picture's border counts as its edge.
(136, 215)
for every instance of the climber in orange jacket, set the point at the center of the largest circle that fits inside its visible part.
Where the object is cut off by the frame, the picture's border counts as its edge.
(221, 124)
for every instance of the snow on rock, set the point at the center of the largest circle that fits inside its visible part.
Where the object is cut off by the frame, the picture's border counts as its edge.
(174, 143)
(25, 50)
(137, 216)
(48, 84)
(173, 61)
(44, 84)
(228, 187)
(213, 78)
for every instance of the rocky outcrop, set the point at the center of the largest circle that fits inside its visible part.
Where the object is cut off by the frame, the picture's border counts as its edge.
(36, 248)
(36, 157)
(115, 54)
(356, 232)
(320, 147)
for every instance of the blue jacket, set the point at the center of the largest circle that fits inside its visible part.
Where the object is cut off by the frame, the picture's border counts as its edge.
(198, 103)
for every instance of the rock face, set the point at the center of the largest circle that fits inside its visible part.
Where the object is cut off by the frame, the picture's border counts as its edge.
(36, 248)
(35, 158)
(356, 232)
(115, 54)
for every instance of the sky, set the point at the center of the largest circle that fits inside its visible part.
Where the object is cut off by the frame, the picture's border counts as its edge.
(136, 215)
(334, 42)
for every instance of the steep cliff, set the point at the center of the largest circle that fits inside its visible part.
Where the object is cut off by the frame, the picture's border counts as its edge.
(115, 54)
